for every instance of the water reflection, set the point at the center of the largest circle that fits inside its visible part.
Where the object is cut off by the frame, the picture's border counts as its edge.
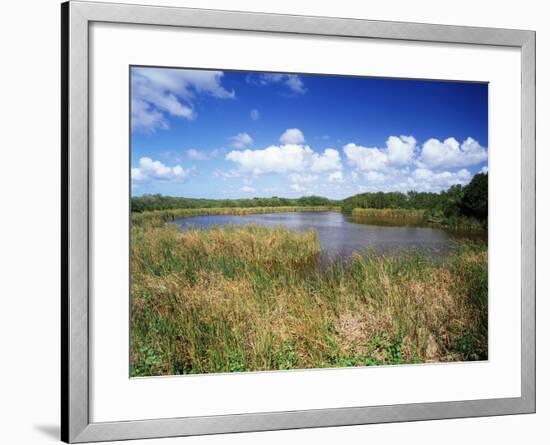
(340, 235)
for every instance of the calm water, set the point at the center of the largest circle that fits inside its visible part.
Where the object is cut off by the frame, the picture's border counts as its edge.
(338, 234)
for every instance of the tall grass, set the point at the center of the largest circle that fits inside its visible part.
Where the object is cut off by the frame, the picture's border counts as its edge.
(460, 223)
(418, 217)
(388, 216)
(157, 217)
(390, 213)
(248, 298)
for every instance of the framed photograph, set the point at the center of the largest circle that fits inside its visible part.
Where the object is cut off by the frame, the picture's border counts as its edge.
(275, 222)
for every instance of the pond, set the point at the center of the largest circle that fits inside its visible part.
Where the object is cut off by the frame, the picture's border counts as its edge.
(340, 235)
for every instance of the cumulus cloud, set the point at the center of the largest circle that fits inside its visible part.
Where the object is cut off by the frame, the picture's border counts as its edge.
(436, 163)
(397, 166)
(398, 151)
(292, 136)
(336, 177)
(292, 81)
(149, 170)
(329, 160)
(450, 153)
(428, 175)
(484, 169)
(241, 140)
(254, 114)
(161, 92)
(428, 180)
(273, 159)
(419, 179)
(365, 158)
(374, 176)
(289, 158)
(303, 178)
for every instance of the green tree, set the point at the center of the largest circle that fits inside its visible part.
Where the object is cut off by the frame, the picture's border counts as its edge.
(475, 200)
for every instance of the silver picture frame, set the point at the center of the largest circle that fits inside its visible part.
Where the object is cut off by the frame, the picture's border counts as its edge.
(76, 18)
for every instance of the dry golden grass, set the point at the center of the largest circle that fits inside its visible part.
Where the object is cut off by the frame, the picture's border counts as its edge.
(390, 213)
(252, 298)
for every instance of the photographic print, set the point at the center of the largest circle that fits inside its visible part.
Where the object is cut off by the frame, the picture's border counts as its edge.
(285, 221)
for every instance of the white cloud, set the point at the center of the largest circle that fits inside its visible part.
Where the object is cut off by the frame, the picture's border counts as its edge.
(149, 169)
(161, 92)
(403, 151)
(303, 178)
(365, 158)
(241, 140)
(289, 158)
(196, 155)
(398, 151)
(295, 84)
(374, 176)
(329, 160)
(336, 177)
(449, 153)
(200, 155)
(145, 117)
(395, 167)
(292, 136)
(231, 174)
(484, 169)
(424, 178)
(297, 188)
(292, 81)
(419, 179)
(254, 114)
(247, 189)
(274, 159)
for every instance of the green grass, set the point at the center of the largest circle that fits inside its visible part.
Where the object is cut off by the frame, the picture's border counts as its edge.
(458, 223)
(249, 298)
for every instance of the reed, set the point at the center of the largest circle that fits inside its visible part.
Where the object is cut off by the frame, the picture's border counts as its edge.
(399, 217)
(156, 217)
(390, 213)
(250, 298)
(391, 217)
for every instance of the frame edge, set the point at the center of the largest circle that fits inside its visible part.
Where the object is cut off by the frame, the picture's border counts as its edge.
(75, 227)
(75, 424)
(65, 414)
(528, 221)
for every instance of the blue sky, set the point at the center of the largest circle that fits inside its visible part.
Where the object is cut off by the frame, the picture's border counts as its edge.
(229, 134)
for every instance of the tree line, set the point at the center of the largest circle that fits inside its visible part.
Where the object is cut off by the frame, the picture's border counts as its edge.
(456, 202)
(160, 202)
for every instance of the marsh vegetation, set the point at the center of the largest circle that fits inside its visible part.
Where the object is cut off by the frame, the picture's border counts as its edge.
(248, 298)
